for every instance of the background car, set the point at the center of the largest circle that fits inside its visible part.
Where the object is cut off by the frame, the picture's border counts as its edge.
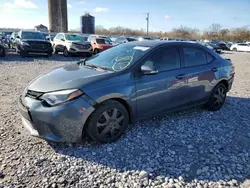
(32, 42)
(13, 40)
(2, 48)
(72, 44)
(100, 44)
(90, 37)
(241, 47)
(213, 47)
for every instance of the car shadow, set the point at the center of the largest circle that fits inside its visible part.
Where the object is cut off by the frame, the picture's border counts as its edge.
(226, 52)
(194, 144)
(12, 56)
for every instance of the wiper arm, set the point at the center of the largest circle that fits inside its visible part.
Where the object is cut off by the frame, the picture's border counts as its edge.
(96, 66)
(81, 62)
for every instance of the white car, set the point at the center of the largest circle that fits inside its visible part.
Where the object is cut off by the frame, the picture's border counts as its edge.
(71, 44)
(241, 47)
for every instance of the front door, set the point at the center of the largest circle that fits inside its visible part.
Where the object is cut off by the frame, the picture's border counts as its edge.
(162, 91)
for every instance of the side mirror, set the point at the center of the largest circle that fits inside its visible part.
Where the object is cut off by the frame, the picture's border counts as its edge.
(148, 70)
(94, 43)
(3, 38)
(11, 38)
(62, 40)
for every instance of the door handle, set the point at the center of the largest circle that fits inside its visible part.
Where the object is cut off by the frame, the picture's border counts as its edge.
(215, 69)
(180, 76)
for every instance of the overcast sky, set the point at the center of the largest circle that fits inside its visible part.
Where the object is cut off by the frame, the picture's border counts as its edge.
(164, 14)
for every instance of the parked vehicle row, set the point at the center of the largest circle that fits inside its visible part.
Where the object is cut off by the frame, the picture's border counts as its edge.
(33, 42)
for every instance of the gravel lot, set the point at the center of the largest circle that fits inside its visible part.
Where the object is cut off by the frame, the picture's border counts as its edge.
(194, 148)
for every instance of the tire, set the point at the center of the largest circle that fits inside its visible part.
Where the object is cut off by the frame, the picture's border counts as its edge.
(55, 50)
(217, 98)
(49, 54)
(108, 122)
(23, 53)
(95, 51)
(235, 49)
(2, 52)
(66, 52)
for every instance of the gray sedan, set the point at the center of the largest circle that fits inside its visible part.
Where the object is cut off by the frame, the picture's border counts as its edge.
(101, 95)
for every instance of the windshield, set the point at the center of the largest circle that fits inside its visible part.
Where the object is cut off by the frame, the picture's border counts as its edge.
(103, 41)
(33, 35)
(119, 57)
(73, 37)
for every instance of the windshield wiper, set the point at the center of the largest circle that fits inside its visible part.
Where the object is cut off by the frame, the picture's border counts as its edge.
(82, 62)
(95, 66)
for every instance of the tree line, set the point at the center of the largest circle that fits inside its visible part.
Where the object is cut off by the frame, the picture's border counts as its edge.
(215, 31)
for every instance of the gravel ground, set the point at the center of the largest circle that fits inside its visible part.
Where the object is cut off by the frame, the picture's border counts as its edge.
(193, 148)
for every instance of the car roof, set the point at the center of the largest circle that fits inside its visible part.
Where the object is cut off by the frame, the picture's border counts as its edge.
(155, 43)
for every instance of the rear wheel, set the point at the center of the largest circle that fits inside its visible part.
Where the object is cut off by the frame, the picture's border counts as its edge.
(235, 49)
(108, 122)
(217, 98)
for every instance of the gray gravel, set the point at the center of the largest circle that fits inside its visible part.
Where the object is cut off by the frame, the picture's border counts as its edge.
(193, 148)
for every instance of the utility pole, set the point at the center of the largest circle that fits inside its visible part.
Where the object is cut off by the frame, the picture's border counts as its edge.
(147, 22)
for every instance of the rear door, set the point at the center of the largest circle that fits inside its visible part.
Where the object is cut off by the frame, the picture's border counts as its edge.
(200, 69)
(164, 90)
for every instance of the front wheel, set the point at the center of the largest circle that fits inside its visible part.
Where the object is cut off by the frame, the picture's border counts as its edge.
(217, 98)
(66, 52)
(2, 52)
(23, 53)
(108, 122)
(49, 54)
(95, 51)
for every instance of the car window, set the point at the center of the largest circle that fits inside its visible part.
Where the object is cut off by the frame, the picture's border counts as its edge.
(164, 59)
(59, 36)
(193, 57)
(210, 58)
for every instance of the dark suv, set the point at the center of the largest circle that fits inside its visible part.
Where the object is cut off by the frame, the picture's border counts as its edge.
(32, 42)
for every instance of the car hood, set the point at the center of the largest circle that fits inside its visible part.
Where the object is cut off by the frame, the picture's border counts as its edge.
(72, 76)
(35, 40)
(78, 42)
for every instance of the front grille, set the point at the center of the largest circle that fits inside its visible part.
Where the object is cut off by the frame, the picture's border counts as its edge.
(39, 45)
(34, 94)
(82, 46)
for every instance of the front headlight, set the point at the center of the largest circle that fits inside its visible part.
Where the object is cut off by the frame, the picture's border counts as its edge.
(25, 43)
(59, 97)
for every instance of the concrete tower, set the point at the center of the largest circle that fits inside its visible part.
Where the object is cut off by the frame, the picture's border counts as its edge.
(58, 16)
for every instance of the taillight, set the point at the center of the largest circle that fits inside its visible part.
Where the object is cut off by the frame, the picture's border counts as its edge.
(233, 67)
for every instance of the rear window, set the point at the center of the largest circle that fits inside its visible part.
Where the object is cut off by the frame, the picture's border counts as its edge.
(102, 41)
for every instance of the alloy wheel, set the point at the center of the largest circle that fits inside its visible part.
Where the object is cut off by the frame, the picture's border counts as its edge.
(110, 123)
(219, 97)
